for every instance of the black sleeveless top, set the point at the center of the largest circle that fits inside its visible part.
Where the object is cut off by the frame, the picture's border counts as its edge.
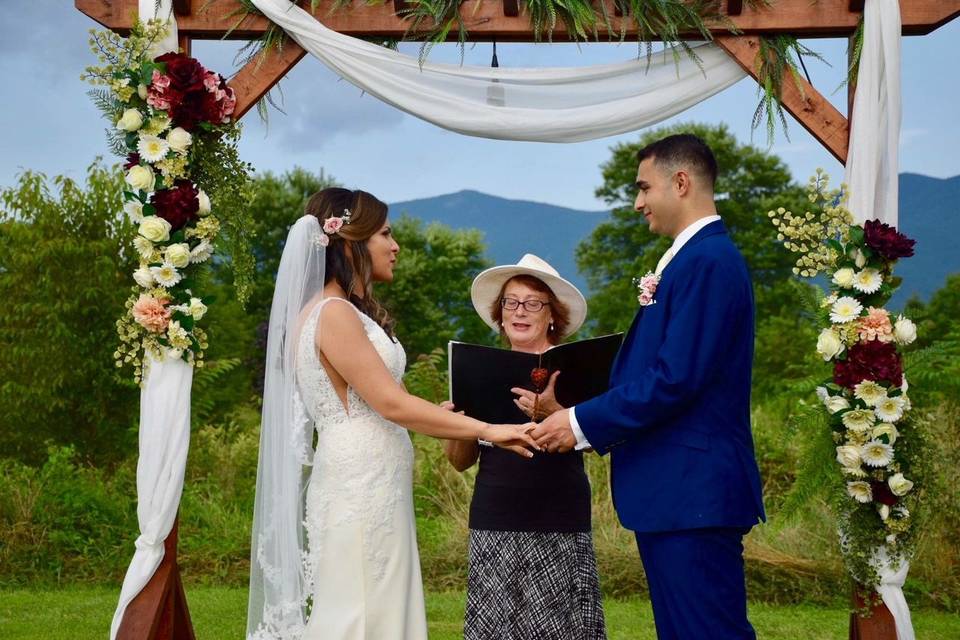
(549, 492)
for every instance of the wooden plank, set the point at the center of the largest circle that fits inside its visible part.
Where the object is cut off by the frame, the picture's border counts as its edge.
(856, 5)
(485, 20)
(734, 7)
(182, 8)
(878, 626)
(260, 74)
(812, 110)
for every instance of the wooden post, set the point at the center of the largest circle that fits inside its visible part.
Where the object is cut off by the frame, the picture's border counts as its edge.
(879, 626)
(159, 611)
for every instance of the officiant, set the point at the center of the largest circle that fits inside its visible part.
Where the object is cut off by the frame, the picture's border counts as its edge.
(532, 569)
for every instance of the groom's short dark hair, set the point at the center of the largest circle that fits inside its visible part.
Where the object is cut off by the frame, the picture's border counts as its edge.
(683, 150)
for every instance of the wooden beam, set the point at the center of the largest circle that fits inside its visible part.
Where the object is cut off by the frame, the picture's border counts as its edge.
(260, 74)
(812, 110)
(734, 7)
(181, 8)
(856, 5)
(485, 21)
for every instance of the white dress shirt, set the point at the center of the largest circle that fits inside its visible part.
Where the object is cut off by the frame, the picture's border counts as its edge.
(682, 238)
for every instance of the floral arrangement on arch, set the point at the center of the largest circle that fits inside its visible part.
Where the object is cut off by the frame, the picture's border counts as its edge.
(866, 398)
(166, 112)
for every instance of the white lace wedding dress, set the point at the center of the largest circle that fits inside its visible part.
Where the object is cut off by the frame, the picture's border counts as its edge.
(362, 562)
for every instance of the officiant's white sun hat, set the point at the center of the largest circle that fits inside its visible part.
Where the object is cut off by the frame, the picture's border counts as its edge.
(487, 285)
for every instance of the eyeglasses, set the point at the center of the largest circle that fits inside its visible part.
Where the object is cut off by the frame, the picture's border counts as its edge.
(533, 306)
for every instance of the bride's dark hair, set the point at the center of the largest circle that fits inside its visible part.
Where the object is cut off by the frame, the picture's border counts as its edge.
(367, 216)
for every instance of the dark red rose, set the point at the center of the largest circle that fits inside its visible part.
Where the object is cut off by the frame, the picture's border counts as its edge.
(177, 205)
(189, 111)
(887, 241)
(186, 74)
(873, 360)
(882, 493)
(133, 160)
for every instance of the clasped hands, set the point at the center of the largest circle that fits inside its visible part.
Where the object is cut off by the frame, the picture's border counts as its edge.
(553, 434)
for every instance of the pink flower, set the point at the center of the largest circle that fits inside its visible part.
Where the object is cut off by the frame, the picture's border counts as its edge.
(332, 225)
(875, 326)
(647, 287)
(151, 314)
(645, 299)
(323, 240)
(211, 80)
(159, 80)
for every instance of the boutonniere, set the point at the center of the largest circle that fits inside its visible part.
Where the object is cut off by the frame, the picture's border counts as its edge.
(646, 287)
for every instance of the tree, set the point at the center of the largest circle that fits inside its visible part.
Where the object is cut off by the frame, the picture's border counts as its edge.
(430, 293)
(65, 265)
(750, 183)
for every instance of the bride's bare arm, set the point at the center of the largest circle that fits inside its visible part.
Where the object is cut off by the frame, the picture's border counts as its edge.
(345, 346)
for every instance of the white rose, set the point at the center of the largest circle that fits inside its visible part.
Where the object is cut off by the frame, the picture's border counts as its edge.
(836, 403)
(155, 229)
(204, 201)
(178, 255)
(140, 177)
(844, 277)
(142, 91)
(143, 277)
(134, 209)
(848, 456)
(885, 429)
(884, 511)
(131, 120)
(904, 331)
(899, 485)
(197, 309)
(829, 344)
(179, 139)
(859, 259)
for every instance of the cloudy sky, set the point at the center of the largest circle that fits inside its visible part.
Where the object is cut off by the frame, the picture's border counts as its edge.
(48, 124)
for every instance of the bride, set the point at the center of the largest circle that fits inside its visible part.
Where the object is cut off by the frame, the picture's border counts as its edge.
(334, 551)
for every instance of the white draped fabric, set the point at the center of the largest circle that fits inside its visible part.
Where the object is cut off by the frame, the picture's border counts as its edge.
(164, 440)
(872, 169)
(541, 105)
(164, 427)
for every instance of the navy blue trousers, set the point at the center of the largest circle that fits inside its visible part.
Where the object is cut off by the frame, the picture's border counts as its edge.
(697, 584)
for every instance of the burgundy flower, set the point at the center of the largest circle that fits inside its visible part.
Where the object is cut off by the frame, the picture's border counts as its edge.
(189, 110)
(873, 360)
(882, 493)
(887, 241)
(177, 205)
(185, 73)
(133, 160)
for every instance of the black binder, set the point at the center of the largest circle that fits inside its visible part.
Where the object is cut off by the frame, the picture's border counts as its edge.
(481, 377)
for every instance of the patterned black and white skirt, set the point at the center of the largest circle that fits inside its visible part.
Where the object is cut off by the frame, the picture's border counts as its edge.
(533, 585)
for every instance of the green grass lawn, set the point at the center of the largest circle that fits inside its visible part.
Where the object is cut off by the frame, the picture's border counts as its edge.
(84, 613)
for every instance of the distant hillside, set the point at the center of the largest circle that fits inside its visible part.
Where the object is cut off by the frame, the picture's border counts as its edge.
(929, 212)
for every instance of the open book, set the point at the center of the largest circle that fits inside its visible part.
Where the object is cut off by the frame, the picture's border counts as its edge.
(481, 377)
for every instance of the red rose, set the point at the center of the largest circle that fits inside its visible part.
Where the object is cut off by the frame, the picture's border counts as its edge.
(887, 241)
(882, 493)
(133, 160)
(186, 74)
(177, 205)
(189, 111)
(873, 360)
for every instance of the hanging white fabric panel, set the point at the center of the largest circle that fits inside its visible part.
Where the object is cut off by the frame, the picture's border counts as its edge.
(542, 105)
(872, 174)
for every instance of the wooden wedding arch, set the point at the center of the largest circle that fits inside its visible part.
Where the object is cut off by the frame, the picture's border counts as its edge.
(160, 611)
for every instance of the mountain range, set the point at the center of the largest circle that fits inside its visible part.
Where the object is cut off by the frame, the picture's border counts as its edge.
(929, 213)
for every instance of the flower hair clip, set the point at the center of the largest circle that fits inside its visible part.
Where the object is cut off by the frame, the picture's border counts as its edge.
(332, 226)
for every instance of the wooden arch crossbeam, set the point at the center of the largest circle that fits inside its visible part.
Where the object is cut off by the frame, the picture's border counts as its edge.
(485, 20)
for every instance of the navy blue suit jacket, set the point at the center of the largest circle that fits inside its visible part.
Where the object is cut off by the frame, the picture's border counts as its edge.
(676, 419)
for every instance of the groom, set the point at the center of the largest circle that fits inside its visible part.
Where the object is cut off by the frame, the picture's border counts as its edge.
(676, 419)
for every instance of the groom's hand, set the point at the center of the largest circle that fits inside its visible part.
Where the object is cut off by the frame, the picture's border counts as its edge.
(554, 434)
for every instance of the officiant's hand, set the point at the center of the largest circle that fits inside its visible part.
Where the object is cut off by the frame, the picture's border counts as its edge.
(547, 403)
(554, 434)
(515, 437)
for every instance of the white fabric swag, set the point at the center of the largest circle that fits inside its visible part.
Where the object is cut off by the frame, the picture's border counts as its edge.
(540, 105)
(164, 426)
(872, 174)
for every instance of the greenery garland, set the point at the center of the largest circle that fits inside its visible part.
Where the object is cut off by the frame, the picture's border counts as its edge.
(186, 187)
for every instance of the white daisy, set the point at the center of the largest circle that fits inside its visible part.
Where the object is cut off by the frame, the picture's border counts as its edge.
(870, 392)
(876, 453)
(859, 420)
(890, 409)
(867, 280)
(860, 491)
(201, 252)
(134, 209)
(143, 246)
(845, 309)
(166, 275)
(152, 148)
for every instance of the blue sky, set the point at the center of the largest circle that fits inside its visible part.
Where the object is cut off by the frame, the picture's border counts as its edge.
(49, 124)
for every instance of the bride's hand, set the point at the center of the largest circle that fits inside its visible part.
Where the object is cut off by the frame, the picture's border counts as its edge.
(515, 437)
